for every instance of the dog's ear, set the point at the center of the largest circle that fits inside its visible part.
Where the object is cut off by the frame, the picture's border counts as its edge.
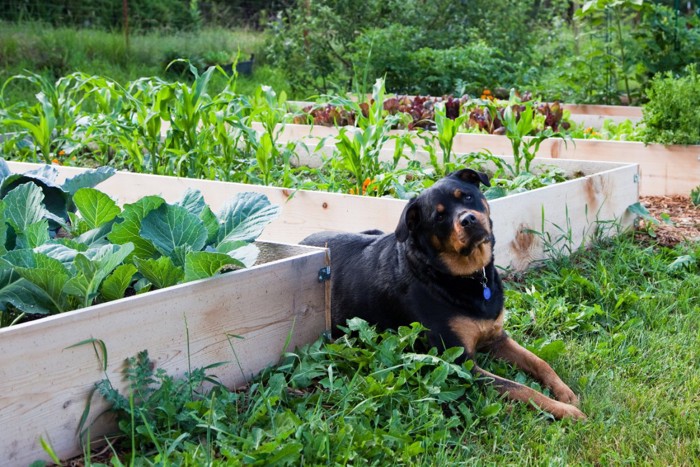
(408, 221)
(472, 176)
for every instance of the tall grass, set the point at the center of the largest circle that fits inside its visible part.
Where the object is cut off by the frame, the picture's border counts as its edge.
(55, 52)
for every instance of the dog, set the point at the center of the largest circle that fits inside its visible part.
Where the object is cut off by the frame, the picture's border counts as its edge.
(438, 269)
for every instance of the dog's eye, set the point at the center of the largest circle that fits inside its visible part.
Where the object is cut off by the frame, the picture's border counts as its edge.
(440, 216)
(468, 197)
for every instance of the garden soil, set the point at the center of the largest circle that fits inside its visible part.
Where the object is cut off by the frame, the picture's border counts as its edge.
(678, 219)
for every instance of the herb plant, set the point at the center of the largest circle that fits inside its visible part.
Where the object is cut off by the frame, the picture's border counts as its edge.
(672, 115)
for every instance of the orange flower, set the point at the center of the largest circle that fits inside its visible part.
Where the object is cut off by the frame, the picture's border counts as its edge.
(55, 161)
(486, 94)
(61, 152)
(366, 184)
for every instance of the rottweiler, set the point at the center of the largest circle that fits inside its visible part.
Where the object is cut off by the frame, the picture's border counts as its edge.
(437, 269)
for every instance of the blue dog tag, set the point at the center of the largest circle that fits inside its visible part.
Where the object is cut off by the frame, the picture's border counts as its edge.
(487, 293)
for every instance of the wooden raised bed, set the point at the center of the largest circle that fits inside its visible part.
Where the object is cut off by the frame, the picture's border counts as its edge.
(664, 170)
(604, 193)
(594, 115)
(45, 383)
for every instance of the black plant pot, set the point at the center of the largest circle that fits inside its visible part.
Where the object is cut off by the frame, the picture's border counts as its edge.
(243, 68)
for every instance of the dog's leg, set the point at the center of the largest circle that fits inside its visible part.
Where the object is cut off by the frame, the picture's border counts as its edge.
(471, 333)
(506, 348)
(520, 392)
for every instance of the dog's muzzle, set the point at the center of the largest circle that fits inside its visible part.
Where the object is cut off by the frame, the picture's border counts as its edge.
(475, 233)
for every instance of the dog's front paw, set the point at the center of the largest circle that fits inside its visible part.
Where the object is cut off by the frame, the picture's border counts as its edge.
(562, 410)
(564, 394)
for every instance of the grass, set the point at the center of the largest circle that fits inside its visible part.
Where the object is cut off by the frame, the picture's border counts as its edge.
(619, 326)
(55, 52)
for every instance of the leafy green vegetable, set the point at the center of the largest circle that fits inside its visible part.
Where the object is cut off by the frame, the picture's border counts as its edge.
(103, 252)
(170, 226)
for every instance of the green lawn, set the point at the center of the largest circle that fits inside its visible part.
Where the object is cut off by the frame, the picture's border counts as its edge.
(619, 322)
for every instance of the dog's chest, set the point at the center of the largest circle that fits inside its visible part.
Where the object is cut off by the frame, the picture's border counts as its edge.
(477, 333)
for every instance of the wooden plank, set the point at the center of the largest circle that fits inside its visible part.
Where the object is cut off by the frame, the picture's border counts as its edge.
(571, 211)
(624, 111)
(45, 383)
(305, 212)
(665, 170)
(564, 216)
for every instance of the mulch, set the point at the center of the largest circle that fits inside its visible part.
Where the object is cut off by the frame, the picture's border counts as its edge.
(678, 220)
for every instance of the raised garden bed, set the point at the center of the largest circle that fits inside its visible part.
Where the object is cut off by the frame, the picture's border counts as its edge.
(243, 319)
(46, 381)
(664, 170)
(603, 193)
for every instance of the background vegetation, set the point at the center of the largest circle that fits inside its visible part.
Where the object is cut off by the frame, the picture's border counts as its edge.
(601, 51)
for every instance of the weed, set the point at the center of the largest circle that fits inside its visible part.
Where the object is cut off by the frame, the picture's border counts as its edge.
(695, 196)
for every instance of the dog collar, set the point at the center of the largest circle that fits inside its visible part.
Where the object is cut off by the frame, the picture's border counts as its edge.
(484, 283)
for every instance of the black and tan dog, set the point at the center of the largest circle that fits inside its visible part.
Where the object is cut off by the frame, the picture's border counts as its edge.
(437, 268)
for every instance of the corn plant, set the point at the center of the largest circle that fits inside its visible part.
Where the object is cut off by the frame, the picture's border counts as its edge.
(446, 130)
(359, 148)
(518, 120)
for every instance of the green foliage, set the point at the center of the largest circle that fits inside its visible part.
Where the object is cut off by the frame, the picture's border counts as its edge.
(391, 52)
(379, 398)
(669, 41)
(695, 196)
(519, 122)
(672, 115)
(105, 14)
(98, 251)
(183, 129)
(612, 13)
(53, 52)
(367, 397)
(412, 42)
(625, 130)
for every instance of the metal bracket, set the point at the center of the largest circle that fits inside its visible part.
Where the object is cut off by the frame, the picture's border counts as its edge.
(324, 274)
(636, 178)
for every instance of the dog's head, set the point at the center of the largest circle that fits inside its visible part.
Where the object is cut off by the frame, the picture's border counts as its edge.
(450, 223)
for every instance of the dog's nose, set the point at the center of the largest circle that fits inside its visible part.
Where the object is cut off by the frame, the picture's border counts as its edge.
(467, 219)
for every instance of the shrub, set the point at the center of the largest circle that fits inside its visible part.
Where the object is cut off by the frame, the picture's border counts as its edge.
(672, 115)
(668, 41)
(436, 71)
(329, 45)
